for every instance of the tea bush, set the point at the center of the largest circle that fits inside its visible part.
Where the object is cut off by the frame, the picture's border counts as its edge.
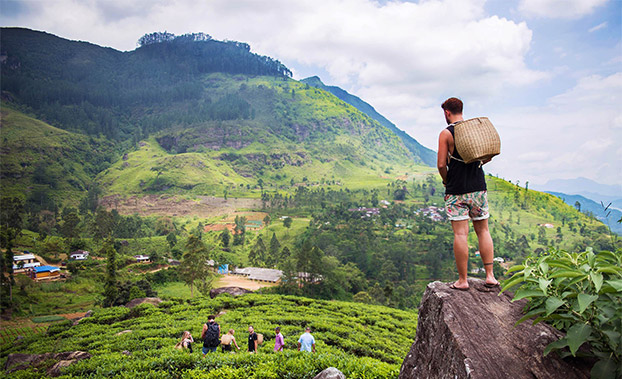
(363, 341)
(580, 294)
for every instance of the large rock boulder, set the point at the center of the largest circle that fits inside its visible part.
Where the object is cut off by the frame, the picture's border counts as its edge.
(17, 362)
(330, 373)
(233, 291)
(471, 334)
(149, 300)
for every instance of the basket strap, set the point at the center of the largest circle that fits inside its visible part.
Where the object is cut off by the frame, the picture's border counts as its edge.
(460, 160)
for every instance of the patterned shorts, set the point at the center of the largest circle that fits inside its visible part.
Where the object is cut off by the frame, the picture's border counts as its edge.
(472, 205)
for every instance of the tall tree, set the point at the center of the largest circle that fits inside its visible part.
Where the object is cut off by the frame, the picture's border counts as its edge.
(110, 286)
(11, 212)
(194, 267)
(239, 231)
(275, 248)
(257, 255)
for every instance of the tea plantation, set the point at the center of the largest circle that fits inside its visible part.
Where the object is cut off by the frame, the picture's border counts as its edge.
(361, 340)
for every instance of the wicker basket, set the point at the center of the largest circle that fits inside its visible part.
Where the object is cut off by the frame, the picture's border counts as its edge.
(477, 139)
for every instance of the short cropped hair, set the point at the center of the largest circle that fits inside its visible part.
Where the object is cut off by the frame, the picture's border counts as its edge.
(211, 317)
(453, 105)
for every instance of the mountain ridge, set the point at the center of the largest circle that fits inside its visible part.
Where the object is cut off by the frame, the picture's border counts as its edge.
(426, 155)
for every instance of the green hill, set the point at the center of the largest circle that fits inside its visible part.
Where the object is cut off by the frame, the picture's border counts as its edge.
(46, 165)
(363, 341)
(212, 115)
(426, 155)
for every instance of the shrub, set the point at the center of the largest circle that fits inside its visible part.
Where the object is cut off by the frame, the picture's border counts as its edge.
(580, 294)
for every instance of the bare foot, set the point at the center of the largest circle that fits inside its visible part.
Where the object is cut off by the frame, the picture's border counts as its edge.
(491, 281)
(460, 285)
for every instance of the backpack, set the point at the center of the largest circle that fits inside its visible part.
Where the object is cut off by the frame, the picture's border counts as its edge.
(211, 335)
(226, 339)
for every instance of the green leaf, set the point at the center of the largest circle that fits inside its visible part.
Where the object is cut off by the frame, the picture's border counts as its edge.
(514, 280)
(521, 294)
(597, 279)
(591, 257)
(544, 284)
(567, 274)
(544, 267)
(604, 369)
(552, 303)
(577, 335)
(515, 268)
(617, 284)
(529, 315)
(610, 270)
(585, 300)
(555, 345)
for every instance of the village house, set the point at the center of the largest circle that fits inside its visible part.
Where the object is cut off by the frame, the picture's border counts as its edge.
(24, 262)
(79, 255)
(260, 274)
(368, 212)
(432, 212)
(142, 258)
(45, 273)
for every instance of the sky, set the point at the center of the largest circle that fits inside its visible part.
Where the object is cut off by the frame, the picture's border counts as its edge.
(547, 73)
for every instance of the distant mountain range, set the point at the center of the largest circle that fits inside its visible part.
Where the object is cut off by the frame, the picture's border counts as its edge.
(608, 217)
(427, 156)
(587, 188)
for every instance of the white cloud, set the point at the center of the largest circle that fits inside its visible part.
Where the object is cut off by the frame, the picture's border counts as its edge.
(602, 25)
(568, 9)
(576, 133)
(403, 58)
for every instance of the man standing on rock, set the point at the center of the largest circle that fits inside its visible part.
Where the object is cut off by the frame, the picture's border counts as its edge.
(465, 198)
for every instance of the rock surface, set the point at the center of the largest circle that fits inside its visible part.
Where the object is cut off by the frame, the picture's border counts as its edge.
(471, 334)
(233, 291)
(149, 300)
(330, 373)
(17, 362)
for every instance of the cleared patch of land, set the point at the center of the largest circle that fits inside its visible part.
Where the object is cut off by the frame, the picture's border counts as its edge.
(169, 205)
(239, 281)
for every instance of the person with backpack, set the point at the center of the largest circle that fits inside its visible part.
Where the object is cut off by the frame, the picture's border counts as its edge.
(210, 335)
(227, 340)
(252, 340)
(466, 198)
(186, 341)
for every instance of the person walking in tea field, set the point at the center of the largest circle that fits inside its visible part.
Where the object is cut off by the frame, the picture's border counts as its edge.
(252, 340)
(210, 335)
(306, 342)
(186, 341)
(227, 340)
(465, 198)
(278, 340)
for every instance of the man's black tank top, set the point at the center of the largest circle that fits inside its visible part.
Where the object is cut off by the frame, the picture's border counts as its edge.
(461, 177)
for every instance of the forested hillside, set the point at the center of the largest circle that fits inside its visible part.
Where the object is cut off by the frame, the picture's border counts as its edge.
(426, 155)
(220, 117)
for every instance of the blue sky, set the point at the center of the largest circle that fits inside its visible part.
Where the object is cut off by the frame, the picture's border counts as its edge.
(548, 73)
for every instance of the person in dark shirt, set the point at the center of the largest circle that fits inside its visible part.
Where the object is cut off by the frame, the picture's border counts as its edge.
(252, 340)
(465, 198)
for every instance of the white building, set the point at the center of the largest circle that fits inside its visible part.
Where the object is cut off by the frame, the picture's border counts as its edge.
(142, 258)
(24, 262)
(79, 255)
